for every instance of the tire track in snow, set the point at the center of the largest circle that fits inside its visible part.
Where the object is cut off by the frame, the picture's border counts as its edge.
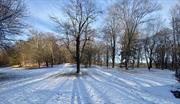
(31, 94)
(111, 88)
(138, 93)
(31, 80)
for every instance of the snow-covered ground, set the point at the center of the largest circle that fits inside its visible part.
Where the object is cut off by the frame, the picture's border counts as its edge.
(93, 86)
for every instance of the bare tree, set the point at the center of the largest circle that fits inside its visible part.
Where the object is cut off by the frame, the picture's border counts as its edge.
(175, 21)
(152, 28)
(80, 14)
(107, 42)
(36, 45)
(50, 47)
(132, 13)
(112, 30)
(11, 15)
(40, 48)
(149, 49)
(162, 46)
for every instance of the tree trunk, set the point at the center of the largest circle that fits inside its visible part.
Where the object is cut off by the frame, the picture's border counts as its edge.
(176, 65)
(138, 62)
(126, 63)
(90, 60)
(162, 63)
(138, 59)
(162, 58)
(127, 54)
(78, 54)
(52, 60)
(99, 58)
(113, 57)
(114, 51)
(39, 64)
(150, 63)
(133, 64)
(47, 65)
(146, 57)
(166, 62)
(174, 61)
(107, 57)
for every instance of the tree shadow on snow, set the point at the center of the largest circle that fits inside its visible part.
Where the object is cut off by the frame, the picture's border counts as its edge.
(80, 92)
(7, 76)
(69, 74)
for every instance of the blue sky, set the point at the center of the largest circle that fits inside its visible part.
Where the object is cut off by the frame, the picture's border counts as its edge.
(39, 11)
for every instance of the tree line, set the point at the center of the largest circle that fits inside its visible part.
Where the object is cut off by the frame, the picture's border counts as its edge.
(131, 35)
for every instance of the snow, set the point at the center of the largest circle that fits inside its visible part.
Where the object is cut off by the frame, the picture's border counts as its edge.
(96, 85)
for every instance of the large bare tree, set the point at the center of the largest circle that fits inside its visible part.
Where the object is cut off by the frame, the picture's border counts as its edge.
(133, 13)
(79, 16)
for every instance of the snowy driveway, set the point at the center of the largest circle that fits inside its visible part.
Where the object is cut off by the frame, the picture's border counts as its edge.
(94, 86)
